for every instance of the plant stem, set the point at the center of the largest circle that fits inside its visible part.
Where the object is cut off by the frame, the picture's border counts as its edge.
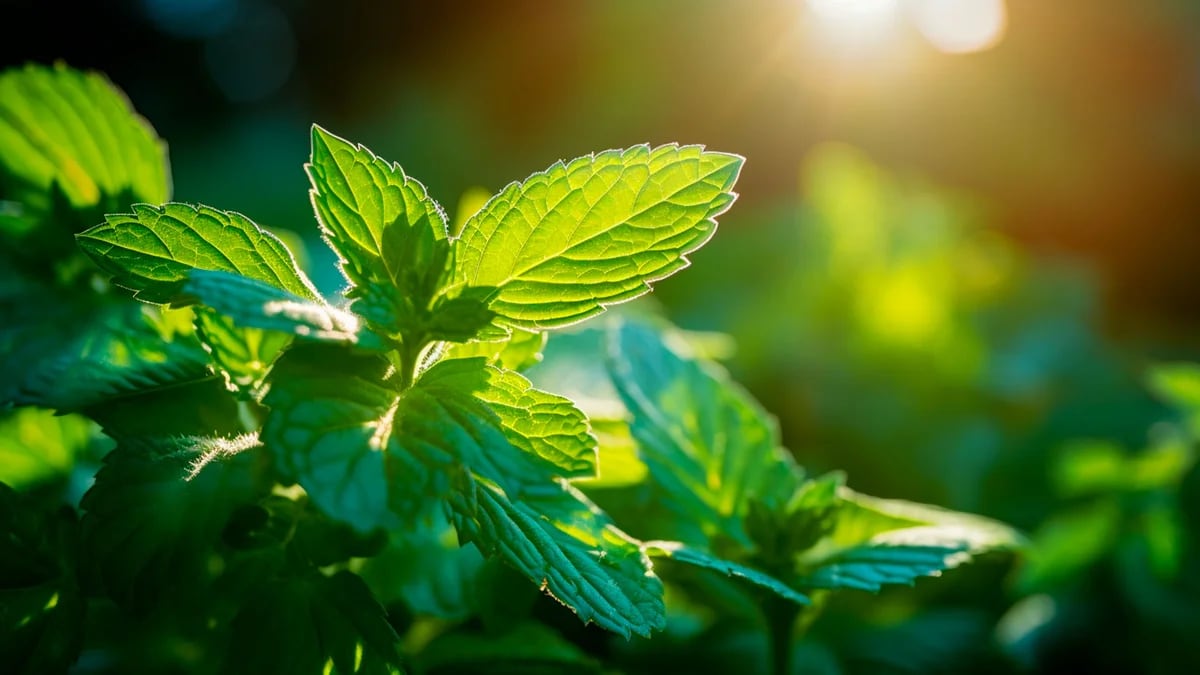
(780, 616)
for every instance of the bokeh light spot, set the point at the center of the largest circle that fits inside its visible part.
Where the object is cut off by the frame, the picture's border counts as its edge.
(961, 26)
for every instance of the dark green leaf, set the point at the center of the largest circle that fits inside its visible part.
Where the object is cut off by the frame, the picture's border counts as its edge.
(41, 609)
(312, 625)
(119, 349)
(156, 510)
(152, 250)
(566, 545)
(690, 556)
(526, 648)
(254, 304)
(595, 231)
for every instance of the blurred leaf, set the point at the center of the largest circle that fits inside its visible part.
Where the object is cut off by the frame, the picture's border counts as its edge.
(156, 510)
(710, 448)
(630, 216)
(523, 648)
(1179, 385)
(152, 250)
(254, 304)
(520, 350)
(37, 445)
(1069, 542)
(71, 131)
(314, 625)
(619, 463)
(428, 570)
(41, 609)
(876, 542)
(117, 350)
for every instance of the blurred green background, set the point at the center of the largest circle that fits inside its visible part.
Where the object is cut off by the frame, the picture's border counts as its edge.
(966, 239)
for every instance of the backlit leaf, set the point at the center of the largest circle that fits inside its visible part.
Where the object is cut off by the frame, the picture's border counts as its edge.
(595, 231)
(152, 250)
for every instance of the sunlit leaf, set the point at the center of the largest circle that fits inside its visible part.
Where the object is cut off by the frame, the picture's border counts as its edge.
(595, 231)
(520, 350)
(152, 250)
(73, 133)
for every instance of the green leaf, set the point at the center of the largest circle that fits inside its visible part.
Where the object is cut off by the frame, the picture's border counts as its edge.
(392, 243)
(429, 572)
(74, 132)
(695, 557)
(328, 429)
(37, 445)
(877, 542)
(567, 546)
(314, 625)
(541, 423)
(254, 304)
(709, 447)
(118, 350)
(1179, 385)
(527, 647)
(381, 222)
(595, 231)
(517, 351)
(156, 510)
(152, 250)
(41, 609)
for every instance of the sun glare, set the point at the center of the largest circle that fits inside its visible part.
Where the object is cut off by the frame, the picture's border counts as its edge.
(951, 26)
(960, 26)
(855, 21)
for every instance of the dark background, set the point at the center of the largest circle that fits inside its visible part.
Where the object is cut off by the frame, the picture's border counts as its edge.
(1079, 128)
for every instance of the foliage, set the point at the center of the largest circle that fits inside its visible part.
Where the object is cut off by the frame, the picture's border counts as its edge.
(281, 464)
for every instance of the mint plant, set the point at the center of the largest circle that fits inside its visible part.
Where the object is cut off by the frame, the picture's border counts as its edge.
(278, 453)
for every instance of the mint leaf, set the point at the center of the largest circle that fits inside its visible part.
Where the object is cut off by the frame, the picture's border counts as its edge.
(328, 428)
(365, 205)
(517, 351)
(156, 510)
(566, 545)
(877, 542)
(254, 304)
(392, 243)
(72, 134)
(710, 448)
(541, 423)
(312, 624)
(695, 557)
(152, 250)
(595, 231)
